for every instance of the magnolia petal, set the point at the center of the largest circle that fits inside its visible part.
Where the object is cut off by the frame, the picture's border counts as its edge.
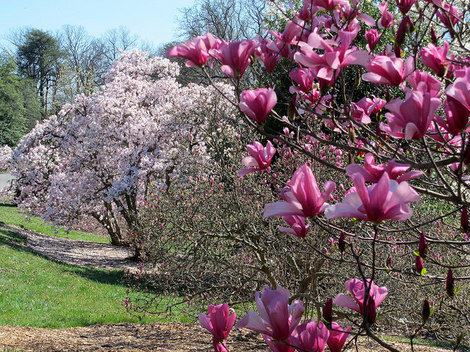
(347, 302)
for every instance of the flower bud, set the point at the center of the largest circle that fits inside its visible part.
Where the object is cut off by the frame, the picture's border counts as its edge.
(423, 246)
(464, 219)
(433, 36)
(328, 312)
(419, 265)
(371, 310)
(450, 283)
(341, 242)
(426, 311)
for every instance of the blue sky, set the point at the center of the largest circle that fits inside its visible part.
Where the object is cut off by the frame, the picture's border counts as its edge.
(154, 21)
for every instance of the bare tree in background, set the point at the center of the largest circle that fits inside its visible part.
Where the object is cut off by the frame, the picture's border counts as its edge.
(85, 62)
(227, 19)
(117, 40)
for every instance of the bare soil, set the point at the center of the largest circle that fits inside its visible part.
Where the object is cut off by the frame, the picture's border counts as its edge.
(127, 337)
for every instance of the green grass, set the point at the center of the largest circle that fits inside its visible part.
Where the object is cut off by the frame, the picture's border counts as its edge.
(11, 215)
(38, 292)
(35, 291)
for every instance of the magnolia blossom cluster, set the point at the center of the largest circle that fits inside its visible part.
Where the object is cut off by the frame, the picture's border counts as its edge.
(279, 322)
(418, 119)
(387, 197)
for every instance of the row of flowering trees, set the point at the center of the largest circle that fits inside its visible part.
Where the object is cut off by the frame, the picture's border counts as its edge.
(98, 157)
(379, 110)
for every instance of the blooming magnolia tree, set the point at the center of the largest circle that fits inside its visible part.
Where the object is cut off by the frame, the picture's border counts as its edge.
(379, 108)
(98, 157)
(5, 156)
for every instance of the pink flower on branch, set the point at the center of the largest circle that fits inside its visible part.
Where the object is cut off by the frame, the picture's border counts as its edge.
(387, 17)
(459, 90)
(235, 56)
(425, 83)
(373, 173)
(456, 117)
(384, 200)
(372, 37)
(449, 17)
(297, 224)
(303, 196)
(404, 5)
(195, 51)
(388, 70)
(310, 337)
(276, 318)
(258, 103)
(412, 118)
(337, 337)
(435, 58)
(260, 158)
(219, 322)
(375, 296)
(365, 107)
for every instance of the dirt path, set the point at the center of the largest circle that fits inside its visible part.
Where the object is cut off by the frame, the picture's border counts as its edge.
(80, 253)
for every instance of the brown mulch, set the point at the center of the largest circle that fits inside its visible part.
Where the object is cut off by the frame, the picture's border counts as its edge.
(126, 337)
(173, 337)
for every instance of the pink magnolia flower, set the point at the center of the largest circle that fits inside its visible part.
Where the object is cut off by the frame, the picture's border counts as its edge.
(330, 4)
(446, 13)
(260, 158)
(438, 3)
(356, 288)
(268, 56)
(219, 322)
(304, 77)
(459, 90)
(235, 56)
(464, 223)
(195, 50)
(406, 26)
(310, 337)
(387, 17)
(456, 116)
(338, 337)
(388, 70)
(372, 173)
(365, 107)
(297, 224)
(372, 37)
(386, 199)
(424, 82)
(258, 103)
(334, 56)
(435, 58)
(292, 31)
(276, 318)
(303, 197)
(412, 118)
(404, 5)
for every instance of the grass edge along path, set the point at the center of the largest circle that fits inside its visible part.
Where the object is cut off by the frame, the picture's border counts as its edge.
(11, 215)
(38, 292)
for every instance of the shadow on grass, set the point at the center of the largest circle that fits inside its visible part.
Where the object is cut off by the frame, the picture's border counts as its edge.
(11, 205)
(110, 277)
(10, 237)
(17, 241)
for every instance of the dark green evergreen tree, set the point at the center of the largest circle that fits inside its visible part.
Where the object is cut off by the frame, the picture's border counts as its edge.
(38, 58)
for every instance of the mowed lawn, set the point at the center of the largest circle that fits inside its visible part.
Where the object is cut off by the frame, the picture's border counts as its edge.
(38, 292)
